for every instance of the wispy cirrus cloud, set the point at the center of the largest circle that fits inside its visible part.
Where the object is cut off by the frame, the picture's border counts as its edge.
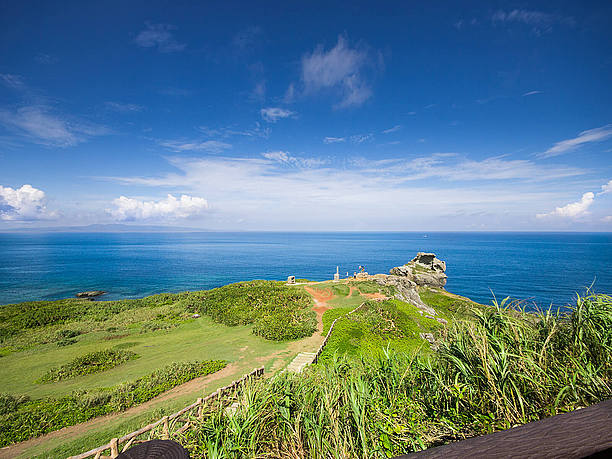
(532, 93)
(210, 146)
(539, 21)
(393, 129)
(159, 36)
(258, 131)
(263, 191)
(284, 157)
(124, 107)
(361, 138)
(41, 125)
(340, 68)
(453, 167)
(12, 81)
(334, 139)
(273, 114)
(592, 135)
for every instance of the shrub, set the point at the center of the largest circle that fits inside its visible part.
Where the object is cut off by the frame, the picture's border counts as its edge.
(94, 362)
(9, 403)
(278, 312)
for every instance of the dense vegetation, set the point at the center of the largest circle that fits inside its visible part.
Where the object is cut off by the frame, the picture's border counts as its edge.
(92, 362)
(374, 326)
(500, 369)
(63, 322)
(22, 418)
(277, 312)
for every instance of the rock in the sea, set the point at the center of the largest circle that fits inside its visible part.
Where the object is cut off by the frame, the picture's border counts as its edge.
(424, 269)
(90, 294)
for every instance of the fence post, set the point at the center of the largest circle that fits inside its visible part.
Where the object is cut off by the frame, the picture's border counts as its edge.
(166, 430)
(114, 447)
(200, 408)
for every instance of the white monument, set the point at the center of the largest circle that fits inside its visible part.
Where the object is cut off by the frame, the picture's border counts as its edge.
(291, 280)
(337, 275)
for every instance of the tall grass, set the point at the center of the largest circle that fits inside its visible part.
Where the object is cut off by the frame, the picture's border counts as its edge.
(504, 368)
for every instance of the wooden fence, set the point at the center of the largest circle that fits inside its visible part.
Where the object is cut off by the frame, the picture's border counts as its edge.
(165, 427)
(331, 329)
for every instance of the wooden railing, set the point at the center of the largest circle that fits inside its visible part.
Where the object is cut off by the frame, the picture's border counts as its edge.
(165, 427)
(577, 434)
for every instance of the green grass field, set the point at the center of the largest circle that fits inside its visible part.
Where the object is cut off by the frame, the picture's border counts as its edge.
(196, 339)
(160, 331)
(36, 337)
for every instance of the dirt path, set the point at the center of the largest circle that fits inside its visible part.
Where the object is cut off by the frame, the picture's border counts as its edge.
(321, 297)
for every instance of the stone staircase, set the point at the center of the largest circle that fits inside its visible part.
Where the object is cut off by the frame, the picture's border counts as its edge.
(300, 361)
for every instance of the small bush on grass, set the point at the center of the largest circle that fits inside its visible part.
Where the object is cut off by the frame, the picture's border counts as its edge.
(94, 362)
(277, 311)
(9, 403)
(21, 419)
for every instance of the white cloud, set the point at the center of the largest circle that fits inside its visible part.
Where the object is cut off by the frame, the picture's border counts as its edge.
(25, 203)
(231, 131)
(334, 139)
(289, 96)
(123, 107)
(159, 36)
(607, 188)
(276, 191)
(573, 209)
(607, 219)
(284, 157)
(211, 146)
(451, 167)
(273, 114)
(342, 68)
(393, 129)
(532, 93)
(129, 209)
(41, 126)
(12, 81)
(591, 135)
(361, 138)
(539, 21)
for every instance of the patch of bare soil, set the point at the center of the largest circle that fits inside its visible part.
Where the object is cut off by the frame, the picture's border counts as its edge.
(375, 296)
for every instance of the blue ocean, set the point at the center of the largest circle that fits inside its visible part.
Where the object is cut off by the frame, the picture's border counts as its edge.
(540, 268)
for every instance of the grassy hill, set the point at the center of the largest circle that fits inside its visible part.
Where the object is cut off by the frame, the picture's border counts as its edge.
(380, 388)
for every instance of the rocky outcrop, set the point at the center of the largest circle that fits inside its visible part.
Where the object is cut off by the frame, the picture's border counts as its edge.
(90, 294)
(424, 269)
(405, 290)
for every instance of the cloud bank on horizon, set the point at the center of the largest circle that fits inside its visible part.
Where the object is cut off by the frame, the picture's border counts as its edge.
(232, 118)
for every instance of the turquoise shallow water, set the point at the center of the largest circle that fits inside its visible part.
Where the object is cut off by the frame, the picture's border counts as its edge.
(543, 268)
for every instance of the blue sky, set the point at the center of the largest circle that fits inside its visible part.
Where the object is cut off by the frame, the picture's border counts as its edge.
(307, 116)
